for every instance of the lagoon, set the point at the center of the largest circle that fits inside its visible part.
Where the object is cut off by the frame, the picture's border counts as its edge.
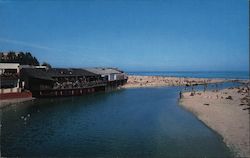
(142, 122)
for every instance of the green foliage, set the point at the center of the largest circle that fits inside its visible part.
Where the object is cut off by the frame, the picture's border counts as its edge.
(20, 57)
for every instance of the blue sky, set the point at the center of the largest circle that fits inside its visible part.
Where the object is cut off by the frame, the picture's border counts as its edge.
(169, 35)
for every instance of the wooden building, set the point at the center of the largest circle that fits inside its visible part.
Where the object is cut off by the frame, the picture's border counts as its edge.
(61, 82)
(113, 76)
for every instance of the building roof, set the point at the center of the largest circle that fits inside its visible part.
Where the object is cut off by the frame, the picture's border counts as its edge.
(63, 72)
(55, 72)
(35, 73)
(103, 71)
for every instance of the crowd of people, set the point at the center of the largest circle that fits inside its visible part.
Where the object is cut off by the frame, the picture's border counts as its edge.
(76, 84)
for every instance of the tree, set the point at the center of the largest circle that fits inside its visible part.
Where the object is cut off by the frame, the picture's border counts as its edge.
(11, 57)
(20, 57)
(35, 62)
(1, 57)
(47, 64)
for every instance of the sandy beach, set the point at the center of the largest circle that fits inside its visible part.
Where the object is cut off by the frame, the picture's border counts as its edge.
(225, 111)
(158, 81)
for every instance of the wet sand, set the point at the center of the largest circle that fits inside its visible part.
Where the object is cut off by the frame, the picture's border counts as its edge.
(158, 81)
(225, 111)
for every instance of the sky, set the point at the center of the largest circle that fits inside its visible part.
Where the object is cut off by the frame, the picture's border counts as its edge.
(134, 35)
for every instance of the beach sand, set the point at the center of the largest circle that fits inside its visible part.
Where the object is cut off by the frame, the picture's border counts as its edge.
(158, 81)
(229, 116)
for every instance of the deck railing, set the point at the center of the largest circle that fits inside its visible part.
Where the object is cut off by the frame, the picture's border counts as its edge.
(70, 85)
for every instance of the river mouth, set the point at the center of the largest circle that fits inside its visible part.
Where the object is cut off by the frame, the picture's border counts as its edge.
(144, 122)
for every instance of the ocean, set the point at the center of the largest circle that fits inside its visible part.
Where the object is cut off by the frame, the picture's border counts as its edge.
(195, 74)
(142, 122)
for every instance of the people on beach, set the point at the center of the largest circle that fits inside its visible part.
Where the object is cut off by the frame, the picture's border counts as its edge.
(180, 94)
(205, 87)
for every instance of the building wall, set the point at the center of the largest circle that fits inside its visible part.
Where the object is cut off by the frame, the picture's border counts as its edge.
(32, 66)
(120, 76)
(111, 77)
(4, 66)
(10, 90)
